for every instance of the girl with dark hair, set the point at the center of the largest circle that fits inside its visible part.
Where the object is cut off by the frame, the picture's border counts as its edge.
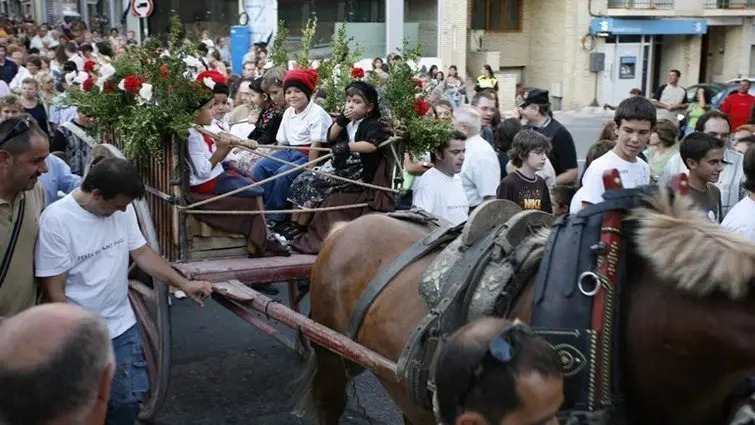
(353, 138)
(699, 106)
(487, 80)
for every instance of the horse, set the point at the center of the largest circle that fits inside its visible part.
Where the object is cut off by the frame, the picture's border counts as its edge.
(687, 325)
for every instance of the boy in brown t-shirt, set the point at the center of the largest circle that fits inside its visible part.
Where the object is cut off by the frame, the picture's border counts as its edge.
(528, 154)
(703, 155)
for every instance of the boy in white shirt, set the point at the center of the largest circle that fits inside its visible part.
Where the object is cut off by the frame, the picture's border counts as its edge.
(635, 118)
(439, 191)
(304, 124)
(741, 218)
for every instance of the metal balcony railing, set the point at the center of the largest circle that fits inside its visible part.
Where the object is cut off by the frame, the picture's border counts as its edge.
(729, 4)
(641, 4)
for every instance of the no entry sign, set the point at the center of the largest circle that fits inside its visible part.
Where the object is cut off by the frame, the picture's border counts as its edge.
(142, 8)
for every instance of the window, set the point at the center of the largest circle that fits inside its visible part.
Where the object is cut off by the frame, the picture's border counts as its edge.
(497, 15)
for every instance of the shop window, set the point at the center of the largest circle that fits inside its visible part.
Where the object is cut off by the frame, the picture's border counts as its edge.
(497, 15)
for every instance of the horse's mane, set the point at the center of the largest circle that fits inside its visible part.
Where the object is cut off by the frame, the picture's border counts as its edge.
(684, 247)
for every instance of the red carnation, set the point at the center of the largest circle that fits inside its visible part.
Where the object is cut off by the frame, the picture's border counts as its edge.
(132, 84)
(421, 107)
(88, 84)
(89, 66)
(357, 73)
(164, 71)
(420, 84)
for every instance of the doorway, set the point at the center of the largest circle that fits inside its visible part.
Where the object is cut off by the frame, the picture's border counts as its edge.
(629, 65)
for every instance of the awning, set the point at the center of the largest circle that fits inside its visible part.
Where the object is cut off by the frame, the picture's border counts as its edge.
(614, 26)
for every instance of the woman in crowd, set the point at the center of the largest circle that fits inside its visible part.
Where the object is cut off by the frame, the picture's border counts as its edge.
(699, 106)
(486, 80)
(662, 147)
(454, 87)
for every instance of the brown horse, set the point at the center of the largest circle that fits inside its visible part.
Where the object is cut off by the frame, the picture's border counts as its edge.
(688, 325)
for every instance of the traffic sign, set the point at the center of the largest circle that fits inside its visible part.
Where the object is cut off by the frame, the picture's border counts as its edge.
(142, 8)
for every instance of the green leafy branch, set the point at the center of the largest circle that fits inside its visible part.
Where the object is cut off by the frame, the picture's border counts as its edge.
(307, 36)
(335, 71)
(279, 54)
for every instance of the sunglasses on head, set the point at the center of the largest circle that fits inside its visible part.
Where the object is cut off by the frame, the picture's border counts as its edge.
(22, 126)
(499, 349)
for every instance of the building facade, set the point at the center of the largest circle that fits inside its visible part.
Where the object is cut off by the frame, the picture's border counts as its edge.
(541, 43)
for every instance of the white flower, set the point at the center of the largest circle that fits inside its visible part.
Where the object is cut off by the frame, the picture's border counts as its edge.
(209, 82)
(76, 77)
(122, 85)
(192, 62)
(145, 93)
(106, 71)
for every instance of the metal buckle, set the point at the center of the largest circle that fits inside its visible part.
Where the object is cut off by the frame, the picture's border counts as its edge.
(595, 284)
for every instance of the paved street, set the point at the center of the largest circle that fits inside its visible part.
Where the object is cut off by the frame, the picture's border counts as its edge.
(226, 372)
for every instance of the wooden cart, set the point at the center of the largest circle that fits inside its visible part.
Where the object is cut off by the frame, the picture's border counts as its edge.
(201, 253)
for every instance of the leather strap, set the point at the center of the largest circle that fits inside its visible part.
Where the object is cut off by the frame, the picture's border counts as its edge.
(418, 250)
(604, 303)
(15, 232)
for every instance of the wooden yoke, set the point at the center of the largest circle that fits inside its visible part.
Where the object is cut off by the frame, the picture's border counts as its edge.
(604, 304)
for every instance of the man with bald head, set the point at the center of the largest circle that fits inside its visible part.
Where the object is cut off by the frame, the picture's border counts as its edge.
(56, 367)
(497, 372)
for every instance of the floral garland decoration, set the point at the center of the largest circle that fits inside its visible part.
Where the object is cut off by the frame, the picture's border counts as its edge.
(408, 107)
(147, 96)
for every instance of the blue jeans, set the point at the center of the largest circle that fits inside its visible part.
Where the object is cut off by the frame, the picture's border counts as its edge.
(276, 191)
(228, 182)
(131, 381)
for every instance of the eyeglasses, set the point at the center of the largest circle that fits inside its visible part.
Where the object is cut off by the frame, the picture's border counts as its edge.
(22, 126)
(499, 349)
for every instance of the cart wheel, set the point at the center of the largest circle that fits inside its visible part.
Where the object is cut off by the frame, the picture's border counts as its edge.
(150, 300)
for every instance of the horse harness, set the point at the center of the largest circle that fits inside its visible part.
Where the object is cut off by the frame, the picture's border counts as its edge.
(576, 304)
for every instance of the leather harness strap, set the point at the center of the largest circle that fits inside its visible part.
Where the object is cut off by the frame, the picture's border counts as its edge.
(604, 304)
(418, 250)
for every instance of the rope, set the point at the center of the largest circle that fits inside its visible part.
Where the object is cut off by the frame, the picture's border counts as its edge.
(217, 212)
(333, 176)
(238, 142)
(255, 184)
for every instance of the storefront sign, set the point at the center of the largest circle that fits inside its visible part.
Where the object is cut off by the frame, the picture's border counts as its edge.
(613, 26)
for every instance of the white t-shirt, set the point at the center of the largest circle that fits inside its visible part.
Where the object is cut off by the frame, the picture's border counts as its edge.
(729, 183)
(671, 95)
(94, 251)
(311, 125)
(633, 174)
(200, 154)
(576, 201)
(442, 195)
(481, 172)
(741, 219)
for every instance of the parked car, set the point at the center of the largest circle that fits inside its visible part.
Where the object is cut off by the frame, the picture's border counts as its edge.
(737, 80)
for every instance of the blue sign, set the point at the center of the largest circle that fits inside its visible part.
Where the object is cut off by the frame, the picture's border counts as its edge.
(648, 26)
(240, 42)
